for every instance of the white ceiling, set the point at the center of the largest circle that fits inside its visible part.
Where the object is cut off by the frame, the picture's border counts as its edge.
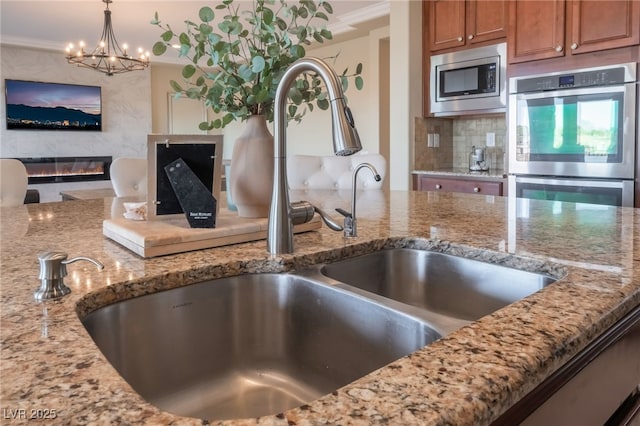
(52, 24)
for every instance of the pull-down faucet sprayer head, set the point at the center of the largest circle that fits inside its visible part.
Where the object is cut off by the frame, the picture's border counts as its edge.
(346, 140)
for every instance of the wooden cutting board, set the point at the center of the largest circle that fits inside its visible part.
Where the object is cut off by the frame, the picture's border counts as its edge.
(162, 237)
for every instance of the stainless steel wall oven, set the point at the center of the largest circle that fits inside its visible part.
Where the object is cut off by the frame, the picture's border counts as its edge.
(572, 135)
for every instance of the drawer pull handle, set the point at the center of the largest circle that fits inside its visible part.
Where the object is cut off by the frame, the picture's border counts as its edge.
(460, 39)
(470, 37)
(476, 189)
(574, 46)
(558, 48)
(438, 186)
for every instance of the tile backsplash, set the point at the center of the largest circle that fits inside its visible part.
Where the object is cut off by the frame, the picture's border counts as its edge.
(456, 137)
(427, 157)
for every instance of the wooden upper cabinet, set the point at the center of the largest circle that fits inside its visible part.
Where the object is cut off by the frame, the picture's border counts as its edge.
(544, 29)
(446, 24)
(600, 25)
(486, 20)
(459, 23)
(536, 30)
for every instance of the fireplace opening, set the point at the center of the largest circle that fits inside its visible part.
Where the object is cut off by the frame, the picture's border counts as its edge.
(67, 169)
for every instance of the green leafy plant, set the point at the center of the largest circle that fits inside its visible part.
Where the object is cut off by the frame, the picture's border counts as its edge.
(237, 63)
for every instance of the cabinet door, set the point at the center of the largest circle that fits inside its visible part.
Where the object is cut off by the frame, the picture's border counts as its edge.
(600, 25)
(486, 20)
(536, 30)
(446, 24)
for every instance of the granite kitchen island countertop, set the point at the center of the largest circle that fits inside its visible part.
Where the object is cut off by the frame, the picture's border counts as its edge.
(452, 172)
(470, 377)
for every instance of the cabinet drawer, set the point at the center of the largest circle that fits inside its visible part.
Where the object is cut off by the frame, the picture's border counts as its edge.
(470, 186)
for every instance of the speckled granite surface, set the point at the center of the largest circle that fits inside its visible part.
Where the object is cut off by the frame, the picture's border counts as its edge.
(470, 377)
(463, 172)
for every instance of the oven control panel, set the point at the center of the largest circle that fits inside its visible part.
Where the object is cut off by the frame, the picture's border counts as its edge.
(570, 80)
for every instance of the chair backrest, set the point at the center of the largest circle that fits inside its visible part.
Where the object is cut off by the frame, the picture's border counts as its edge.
(129, 176)
(13, 182)
(333, 172)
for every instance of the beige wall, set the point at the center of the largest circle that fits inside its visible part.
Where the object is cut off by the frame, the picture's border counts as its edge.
(313, 134)
(161, 74)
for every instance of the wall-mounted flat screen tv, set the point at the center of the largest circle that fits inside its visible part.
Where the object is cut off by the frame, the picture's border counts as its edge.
(34, 105)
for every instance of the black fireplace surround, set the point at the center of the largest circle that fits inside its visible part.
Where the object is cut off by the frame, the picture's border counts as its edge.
(67, 169)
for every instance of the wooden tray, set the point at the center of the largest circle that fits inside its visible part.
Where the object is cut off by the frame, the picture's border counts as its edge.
(162, 237)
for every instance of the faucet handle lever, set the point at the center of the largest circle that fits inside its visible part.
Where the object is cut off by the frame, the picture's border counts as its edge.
(328, 220)
(343, 212)
(302, 212)
(88, 259)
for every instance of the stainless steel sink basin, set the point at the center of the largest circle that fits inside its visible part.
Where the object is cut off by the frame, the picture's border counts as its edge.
(250, 345)
(449, 285)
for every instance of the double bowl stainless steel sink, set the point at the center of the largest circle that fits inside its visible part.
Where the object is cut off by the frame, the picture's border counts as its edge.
(254, 345)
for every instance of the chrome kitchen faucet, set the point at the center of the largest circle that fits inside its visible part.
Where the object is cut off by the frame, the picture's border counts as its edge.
(350, 223)
(283, 215)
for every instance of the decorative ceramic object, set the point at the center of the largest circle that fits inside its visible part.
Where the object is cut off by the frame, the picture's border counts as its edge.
(252, 169)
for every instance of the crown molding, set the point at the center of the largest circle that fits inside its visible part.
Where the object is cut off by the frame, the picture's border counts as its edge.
(31, 43)
(369, 13)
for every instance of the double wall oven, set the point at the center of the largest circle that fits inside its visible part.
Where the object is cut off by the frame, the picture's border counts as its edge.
(572, 135)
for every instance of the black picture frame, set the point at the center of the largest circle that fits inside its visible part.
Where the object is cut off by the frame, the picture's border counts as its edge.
(36, 105)
(201, 153)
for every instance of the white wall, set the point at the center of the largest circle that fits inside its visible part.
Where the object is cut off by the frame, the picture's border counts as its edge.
(126, 110)
(406, 88)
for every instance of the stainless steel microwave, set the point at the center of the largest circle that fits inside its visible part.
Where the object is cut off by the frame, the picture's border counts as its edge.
(470, 81)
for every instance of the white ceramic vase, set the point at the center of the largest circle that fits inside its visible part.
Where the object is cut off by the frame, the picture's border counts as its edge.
(251, 171)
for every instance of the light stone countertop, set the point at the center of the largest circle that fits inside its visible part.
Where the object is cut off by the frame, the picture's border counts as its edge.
(49, 362)
(492, 174)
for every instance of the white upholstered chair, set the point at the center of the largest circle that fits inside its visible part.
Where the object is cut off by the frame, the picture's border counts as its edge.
(129, 176)
(333, 172)
(13, 182)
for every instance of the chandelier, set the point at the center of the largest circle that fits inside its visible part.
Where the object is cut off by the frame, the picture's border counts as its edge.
(108, 57)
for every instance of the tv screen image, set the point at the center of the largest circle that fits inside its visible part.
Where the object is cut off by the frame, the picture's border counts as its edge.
(34, 105)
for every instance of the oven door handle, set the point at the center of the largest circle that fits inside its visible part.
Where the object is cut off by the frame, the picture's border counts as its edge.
(572, 182)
